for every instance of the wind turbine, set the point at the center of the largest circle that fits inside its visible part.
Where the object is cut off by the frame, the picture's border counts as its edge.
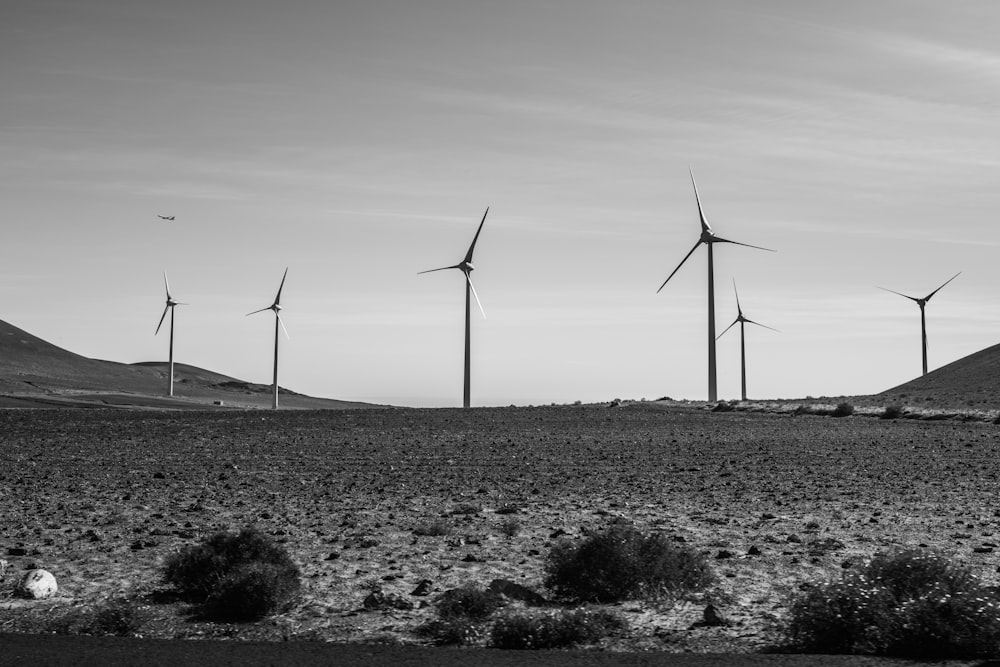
(923, 321)
(466, 267)
(276, 306)
(170, 306)
(742, 319)
(709, 238)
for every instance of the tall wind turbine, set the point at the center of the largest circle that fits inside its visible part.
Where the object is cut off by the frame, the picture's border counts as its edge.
(709, 238)
(466, 267)
(923, 321)
(276, 306)
(170, 306)
(742, 319)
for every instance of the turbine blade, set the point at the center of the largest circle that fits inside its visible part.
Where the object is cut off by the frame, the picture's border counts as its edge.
(679, 265)
(283, 326)
(162, 317)
(468, 255)
(277, 299)
(705, 227)
(760, 325)
(166, 284)
(928, 297)
(469, 279)
(443, 268)
(736, 291)
(727, 329)
(719, 239)
(911, 298)
(257, 311)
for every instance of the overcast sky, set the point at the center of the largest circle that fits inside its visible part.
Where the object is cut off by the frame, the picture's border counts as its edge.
(357, 143)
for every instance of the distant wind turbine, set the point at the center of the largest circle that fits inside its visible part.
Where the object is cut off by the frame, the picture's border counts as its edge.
(170, 306)
(276, 306)
(466, 267)
(709, 238)
(923, 321)
(742, 319)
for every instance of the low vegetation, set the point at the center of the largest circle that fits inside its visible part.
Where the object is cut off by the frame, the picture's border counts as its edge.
(553, 628)
(622, 563)
(462, 616)
(892, 412)
(843, 410)
(240, 576)
(909, 603)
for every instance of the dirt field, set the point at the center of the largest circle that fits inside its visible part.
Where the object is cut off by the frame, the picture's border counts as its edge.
(99, 497)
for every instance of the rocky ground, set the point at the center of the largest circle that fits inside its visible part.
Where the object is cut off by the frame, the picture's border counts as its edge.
(384, 500)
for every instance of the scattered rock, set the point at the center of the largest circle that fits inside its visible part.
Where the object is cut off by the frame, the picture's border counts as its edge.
(159, 475)
(794, 539)
(333, 555)
(469, 558)
(724, 554)
(711, 618)
(36, 585)
(754, 551)
(558, 532)
(516, 591)
(3, 568)
(17, 551)
(378, 600)
(424, 588)
(982, 550)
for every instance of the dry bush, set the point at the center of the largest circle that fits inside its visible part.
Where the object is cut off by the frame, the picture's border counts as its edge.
(467, 601)
(462, 615)
(238, 576)
(907, 604)
(622, 563)
(843, 410)
(553, 628)
(892, 412)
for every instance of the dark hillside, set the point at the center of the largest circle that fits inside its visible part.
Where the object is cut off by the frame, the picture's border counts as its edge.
(970, 382)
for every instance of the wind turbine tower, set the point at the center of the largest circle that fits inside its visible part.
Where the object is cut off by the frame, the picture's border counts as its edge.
(709, 238)
(276, 306)
(170, 306)
(923, 320)
(742, 319)
(466, 267)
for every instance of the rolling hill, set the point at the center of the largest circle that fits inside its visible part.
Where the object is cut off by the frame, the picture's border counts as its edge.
(36, 373)
(970, 382)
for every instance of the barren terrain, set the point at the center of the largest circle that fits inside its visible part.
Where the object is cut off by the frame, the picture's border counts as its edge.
(99, 497)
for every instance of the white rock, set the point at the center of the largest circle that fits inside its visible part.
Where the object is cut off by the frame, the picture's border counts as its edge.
(3, 568)
(37, 585)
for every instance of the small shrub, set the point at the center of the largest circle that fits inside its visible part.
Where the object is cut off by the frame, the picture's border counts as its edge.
(723, 406)
(117, 618)
(462, 615)
(467, 601)
(622, 563)
(892, 412)
(906, 604)
(843, 410)
(452, 631)
(239, 576)
(552, 628)
(253, 591)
